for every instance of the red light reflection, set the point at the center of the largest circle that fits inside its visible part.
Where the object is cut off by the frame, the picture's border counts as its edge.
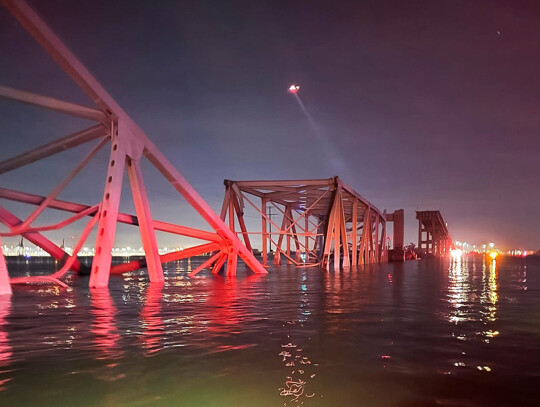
(103, 327)
(5, 349)
(151, 319)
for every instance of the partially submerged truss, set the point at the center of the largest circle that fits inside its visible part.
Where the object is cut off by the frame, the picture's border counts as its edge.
(321, 220)
(128, 146)
(433, 235)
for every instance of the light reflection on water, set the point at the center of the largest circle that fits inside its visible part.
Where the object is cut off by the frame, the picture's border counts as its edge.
(464, 293)
(419, 333)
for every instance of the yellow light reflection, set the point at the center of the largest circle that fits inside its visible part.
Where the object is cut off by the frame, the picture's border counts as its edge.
(458, 289)
(491, 291)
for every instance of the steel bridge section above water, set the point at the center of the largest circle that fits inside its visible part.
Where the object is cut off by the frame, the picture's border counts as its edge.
(320, 220)
(433, 235)
(128, 145)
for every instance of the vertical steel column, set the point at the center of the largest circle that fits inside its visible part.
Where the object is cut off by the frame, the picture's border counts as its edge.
(232, 261)
(146, 224)
(225, 205)
(306, 237)
(5, 286)
(231, 210)
(297, 257)
(377, 253)
(382, 244)
(329, 235)
(371, 247)
(264, 233)
(232, 255)
(240, 216)
(101, 264)
(354, 233)
(277, 254)
(363, 254)
(336, 229)
(343, 230)
(419, 235)
(288, 213)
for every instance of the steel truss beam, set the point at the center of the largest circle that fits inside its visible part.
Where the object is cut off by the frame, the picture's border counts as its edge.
(321, 218)
(438, 241)
(52, 104)
(128, 146)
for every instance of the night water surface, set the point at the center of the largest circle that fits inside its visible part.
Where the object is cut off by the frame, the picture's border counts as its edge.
(423, 333)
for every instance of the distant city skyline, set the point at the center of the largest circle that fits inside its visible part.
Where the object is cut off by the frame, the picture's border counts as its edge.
(424, 106)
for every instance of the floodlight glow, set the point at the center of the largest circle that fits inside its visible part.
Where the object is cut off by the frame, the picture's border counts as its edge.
(294, 88)
(456, 253)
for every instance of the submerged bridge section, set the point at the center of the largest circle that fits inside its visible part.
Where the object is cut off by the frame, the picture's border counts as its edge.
(128, 147)
(319, 221)
(313, 221)
(433, 235)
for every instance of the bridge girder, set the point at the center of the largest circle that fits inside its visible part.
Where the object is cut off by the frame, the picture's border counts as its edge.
(433, 235)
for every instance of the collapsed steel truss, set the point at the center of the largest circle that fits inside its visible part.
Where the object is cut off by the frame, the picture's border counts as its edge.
(323, 218)
(432, 226)
(128, 145)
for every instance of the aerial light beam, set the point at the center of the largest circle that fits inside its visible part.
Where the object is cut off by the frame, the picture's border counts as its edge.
(294, 88)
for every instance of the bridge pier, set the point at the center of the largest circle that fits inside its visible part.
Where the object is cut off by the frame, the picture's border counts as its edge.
(398, 219)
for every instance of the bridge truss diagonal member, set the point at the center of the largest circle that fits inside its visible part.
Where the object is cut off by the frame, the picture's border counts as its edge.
(129, 145)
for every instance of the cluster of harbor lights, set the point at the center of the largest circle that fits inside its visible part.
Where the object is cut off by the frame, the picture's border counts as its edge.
(36, 251)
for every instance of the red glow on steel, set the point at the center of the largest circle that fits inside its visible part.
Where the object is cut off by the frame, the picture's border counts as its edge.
(151, 319)
(129, 145)
(305, 207)
(6, 351)
(106, 335)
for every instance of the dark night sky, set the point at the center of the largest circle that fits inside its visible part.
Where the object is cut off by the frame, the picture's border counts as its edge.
(418, 104)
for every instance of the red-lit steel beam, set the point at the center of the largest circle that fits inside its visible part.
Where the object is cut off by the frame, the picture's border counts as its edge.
(165, 258)
(52, 104)
(18, 230)
(125, 218)
(205, 211)
(52, 148)
(128, 142)
(61, 55)
(61, 186)
(55, 277)
(146, 224)
(12, 221)
(110, 203)
(335, 205)
(206, 264)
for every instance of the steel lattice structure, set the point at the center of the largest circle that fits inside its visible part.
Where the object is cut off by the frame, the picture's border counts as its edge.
(437, 237)
(128, 146)
(320, 217)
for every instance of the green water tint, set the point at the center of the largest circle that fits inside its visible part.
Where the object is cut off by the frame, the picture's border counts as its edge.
(414, 334)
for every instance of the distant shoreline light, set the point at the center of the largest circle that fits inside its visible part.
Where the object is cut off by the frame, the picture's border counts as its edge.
(15, 251)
